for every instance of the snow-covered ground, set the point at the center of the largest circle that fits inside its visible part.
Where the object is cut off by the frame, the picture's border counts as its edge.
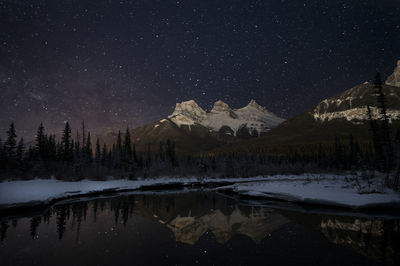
(15, 193)
(336, 190)
(345, 191)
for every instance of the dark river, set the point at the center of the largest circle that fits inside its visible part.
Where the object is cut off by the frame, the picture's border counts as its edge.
(195, 228)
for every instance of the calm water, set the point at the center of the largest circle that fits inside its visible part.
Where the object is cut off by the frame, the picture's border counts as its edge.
(196, 228)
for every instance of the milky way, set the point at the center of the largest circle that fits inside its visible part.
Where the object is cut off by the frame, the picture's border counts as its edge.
(125, 63)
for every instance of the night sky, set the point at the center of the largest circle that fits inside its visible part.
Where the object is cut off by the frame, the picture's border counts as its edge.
(126, 63)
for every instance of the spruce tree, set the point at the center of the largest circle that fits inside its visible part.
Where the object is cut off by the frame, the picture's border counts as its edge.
(384, 128)
(10, 145)
(66, 143)
(40, 141)
(134, 154)
(170, 151)
(20, 150)
(83, 135)
(88, 148)
(118, 151)
(127, 147)
(52, 147)
(148, 156)
(98, 152)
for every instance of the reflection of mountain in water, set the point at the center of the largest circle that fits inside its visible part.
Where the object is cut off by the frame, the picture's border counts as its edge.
(376, 239)
(189, 216)
(373, 238)
(257, 225)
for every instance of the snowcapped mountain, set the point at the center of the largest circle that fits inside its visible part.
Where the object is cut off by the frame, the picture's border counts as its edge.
(351, 105)
(224, 119)
(337, 116)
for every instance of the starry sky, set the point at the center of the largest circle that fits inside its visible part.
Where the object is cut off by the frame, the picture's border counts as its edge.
(126, 63)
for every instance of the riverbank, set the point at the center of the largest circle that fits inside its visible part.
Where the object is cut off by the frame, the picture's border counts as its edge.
(348, 191)
(45, 191)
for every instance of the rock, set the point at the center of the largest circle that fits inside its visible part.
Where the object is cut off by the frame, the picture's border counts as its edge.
(394, 79)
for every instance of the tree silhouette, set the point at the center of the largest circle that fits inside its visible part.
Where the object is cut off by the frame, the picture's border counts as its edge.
(10, 145)
(40, 141)
(35, 221)
(61, 220)
(127, 147)
(97, 152)
(66, 143)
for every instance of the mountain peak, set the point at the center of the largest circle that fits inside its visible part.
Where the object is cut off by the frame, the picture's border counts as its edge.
(190, 110)
(253, 103)
(394, 79)
(189, 113)
(220, 106)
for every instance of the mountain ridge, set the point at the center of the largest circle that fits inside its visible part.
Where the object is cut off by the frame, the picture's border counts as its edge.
(253, 116)
(338, 116)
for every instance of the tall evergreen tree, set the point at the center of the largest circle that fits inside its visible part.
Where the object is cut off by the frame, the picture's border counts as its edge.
(83, 135)
(170, 151)
(98, 152)
(134, 154)
(127, 147)
(88, 149)
(20, 150)
(10, 145)
(40, 141)
(148, 156)
(66, 143)
(52, 147)
(77, 150)
(117, 153)
(104, 154)
(384, 127)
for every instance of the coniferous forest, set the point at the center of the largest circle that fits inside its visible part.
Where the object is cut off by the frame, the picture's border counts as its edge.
(70, 158)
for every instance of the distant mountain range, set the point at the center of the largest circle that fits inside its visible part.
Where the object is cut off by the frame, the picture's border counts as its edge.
(337, 116)
(194, 130)
(223, 119)
(253, 127)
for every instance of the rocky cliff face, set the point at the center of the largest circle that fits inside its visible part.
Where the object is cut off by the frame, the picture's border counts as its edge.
(351, 105)
(394, 79)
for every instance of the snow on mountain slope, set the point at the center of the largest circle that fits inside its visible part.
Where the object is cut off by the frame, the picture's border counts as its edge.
(351, 105)
(253, 116)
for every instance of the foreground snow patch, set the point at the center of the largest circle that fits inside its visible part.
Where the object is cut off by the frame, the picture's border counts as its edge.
(45, 190)
(325, 190)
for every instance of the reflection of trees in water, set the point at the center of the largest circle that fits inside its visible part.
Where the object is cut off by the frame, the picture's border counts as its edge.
(3, 230)
(79, 213)
(207, 212)
(35, 221)
(62, 212)
(190, 215)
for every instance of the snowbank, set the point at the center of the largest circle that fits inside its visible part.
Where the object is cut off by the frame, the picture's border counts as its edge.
(42, 191)
(335, 190)
(344, 191)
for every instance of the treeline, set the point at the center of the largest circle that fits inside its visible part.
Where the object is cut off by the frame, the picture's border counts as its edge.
(76, 158)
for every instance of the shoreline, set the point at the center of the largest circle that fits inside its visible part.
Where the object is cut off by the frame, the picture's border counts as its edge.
(305, 190)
